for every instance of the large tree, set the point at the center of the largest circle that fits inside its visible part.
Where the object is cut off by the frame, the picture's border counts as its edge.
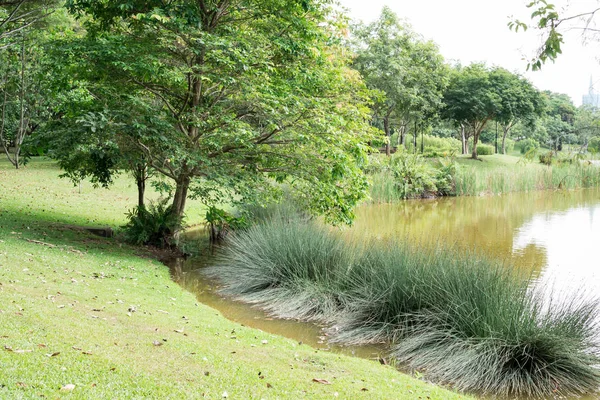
(408, 73)
(472, 99)
(520, 101)
(253, 91)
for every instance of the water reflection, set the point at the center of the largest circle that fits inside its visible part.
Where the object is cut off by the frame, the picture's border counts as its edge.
(570, 240)
(554, 236)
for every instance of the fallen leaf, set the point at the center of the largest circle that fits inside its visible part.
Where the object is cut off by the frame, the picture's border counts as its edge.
(225, 395)
(321, 381)
(179, 330)
(269, 385)
(157, 343)
(265, 342)
(87, 353)
(42, 345)
(8, 348)
(68, 388)
(21, 384)
(364, 390)
(76, 348)
(22, 351)
(53, 354)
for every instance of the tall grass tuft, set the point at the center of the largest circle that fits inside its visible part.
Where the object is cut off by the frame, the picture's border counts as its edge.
(288, 267)
(472, 181)
(463, 319)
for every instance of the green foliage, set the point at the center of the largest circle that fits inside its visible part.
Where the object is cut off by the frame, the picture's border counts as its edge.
(434, 146)
(153, 225)
(547, 157)
(221, 222)
(292, 269)
(233, 98)
(594, 145)
(410, 176)
(465, 320)
(414, 177)
(485, 149)
(509, 145)
(406, 73)
(526, 145)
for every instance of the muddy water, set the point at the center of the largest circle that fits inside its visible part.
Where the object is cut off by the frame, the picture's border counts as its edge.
(553, 236)
(187, 273)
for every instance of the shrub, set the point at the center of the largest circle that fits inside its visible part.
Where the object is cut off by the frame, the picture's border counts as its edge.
(413, 177)
(485, 150)
(527, 145)
(154, 225)
(546, 158)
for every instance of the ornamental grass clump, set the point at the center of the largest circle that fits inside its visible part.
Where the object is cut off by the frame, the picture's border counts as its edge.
(289, 267)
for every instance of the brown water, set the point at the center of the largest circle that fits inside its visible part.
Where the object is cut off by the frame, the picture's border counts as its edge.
(554, 236)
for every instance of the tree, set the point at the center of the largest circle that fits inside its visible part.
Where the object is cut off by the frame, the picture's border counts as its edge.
(253, 92)
(16, 16)
(472, 99)
(553, 24)
(559, 119)
(408, 73)
(520, 101)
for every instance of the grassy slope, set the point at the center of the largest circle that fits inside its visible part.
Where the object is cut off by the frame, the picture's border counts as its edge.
(74, 298)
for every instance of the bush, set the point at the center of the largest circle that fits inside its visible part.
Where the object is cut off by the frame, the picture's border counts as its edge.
(465, 320)
(410, 176)
(527, 145)
(546, 158)
(413, 177)
(154, 225)
(485, 150)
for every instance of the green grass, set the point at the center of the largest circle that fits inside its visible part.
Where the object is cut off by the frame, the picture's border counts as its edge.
(74, 295)
(462, 319)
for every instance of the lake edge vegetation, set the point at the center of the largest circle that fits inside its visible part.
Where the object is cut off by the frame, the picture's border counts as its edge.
(464, 320)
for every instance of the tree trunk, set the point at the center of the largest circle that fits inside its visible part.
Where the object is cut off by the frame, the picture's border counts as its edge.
(22, 128)
(463, 139)
(386, 128)
(141, 185)
(504, 135)
(475, 141)
(401, 136)
(181, 190)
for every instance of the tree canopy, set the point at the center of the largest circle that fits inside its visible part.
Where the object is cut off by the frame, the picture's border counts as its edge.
(407, 73)
(248, 93)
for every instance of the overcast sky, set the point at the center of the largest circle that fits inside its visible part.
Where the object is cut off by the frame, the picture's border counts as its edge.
(476, 31)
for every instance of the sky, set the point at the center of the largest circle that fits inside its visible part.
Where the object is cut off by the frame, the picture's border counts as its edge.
(476, 31)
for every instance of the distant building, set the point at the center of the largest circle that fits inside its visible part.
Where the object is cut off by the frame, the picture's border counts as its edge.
(592, 98)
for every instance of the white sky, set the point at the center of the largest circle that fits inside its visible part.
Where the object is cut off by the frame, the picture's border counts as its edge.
(476, 31)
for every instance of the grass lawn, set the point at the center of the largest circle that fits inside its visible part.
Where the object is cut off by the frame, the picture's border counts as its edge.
(91, 312)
